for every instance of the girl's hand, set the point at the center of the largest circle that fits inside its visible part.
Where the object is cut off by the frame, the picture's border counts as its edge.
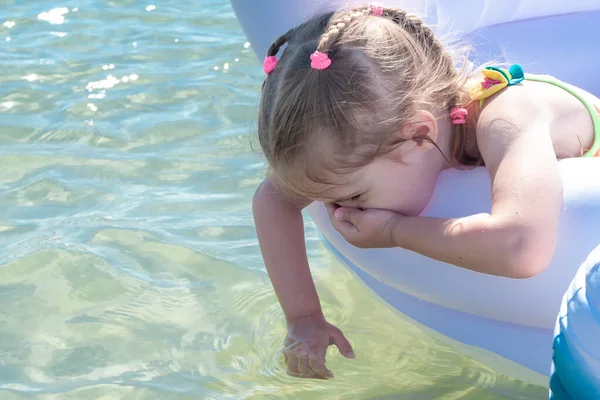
(365, 228)
(306, 343)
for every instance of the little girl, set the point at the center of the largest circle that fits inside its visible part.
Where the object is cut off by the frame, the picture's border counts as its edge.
(362, 111)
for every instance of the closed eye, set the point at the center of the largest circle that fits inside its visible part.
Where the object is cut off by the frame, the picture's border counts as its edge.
(349, 200)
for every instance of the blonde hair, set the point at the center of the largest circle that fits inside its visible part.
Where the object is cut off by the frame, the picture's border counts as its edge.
(383, 69)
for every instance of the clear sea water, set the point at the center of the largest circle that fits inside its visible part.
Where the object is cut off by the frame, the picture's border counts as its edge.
(129, 266)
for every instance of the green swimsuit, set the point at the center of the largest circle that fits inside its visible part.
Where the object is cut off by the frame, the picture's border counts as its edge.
(496, 79)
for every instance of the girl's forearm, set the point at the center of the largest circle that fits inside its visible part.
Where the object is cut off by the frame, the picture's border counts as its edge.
(280, 230)
(480, 242)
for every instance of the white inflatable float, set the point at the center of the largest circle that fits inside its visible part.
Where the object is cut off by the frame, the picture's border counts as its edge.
(512, 318)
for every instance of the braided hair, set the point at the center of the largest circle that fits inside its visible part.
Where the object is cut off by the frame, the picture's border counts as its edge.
(363, 69)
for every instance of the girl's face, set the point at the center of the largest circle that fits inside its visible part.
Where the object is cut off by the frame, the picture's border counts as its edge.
(402, 180)
(387, 183)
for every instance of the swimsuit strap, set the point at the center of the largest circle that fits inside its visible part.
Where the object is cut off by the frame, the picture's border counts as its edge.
(496, 79)
(591, 109)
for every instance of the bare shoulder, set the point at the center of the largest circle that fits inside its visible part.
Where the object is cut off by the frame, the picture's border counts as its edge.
(546, 111)
(268, 191)
(516, 107)
(515, 122)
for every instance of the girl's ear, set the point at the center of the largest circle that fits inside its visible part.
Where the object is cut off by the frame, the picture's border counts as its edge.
(422, 129)
(418, 135)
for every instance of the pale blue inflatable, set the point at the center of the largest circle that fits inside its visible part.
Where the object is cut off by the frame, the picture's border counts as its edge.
(576, 361)
(505, 323)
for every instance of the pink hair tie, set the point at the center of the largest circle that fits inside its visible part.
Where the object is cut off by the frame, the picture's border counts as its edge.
(319, 60)
(459, 115)
(269, 64)
(376, 10)
(488, 83)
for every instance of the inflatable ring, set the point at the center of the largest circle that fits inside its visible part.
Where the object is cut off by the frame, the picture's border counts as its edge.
(513, 319)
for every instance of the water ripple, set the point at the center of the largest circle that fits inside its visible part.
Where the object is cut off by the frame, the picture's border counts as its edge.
(129, 265)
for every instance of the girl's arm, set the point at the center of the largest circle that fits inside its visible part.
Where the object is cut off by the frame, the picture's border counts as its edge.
(280, 231)
(517, 239)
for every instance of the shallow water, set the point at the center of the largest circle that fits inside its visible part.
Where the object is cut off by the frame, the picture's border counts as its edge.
(129, 266)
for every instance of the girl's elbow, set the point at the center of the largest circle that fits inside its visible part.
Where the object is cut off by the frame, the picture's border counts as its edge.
(525, 269)
(530, 255)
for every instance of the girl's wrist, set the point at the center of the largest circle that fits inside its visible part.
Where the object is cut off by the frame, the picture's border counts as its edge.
(398, 233)
(312, 314)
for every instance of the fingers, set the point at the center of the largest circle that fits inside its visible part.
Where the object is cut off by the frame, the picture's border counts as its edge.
(289, 354)
(346, 217)
(346, 228)
(313, 366)
(306, 365)
(292, 365)
(345, 214)
(342, 214)
(297, 361)
(317, 364)
(304, 368)
(342, 344)
(331, 209)
(306, 358)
